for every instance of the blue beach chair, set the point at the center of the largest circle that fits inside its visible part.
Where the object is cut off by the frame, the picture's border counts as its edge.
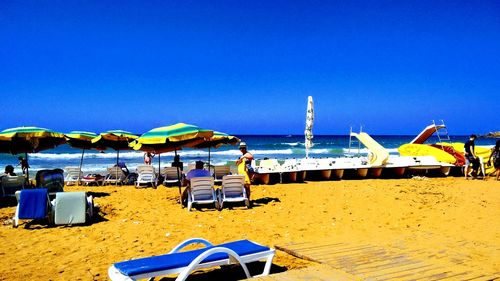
(183, 263)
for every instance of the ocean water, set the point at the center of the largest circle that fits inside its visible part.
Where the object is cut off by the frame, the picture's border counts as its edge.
(278, 146)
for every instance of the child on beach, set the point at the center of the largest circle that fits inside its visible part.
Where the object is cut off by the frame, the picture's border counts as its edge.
(24, 164)
(495, 154)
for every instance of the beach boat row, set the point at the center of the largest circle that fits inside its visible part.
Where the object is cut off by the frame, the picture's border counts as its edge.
(299, 170)
(378, 163)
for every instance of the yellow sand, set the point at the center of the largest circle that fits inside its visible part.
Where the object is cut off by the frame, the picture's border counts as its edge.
(430, 214)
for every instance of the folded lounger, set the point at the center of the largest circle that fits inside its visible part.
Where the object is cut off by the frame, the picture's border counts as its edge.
(72, 208)
(237, 252)
(67, 208)
(33, 204)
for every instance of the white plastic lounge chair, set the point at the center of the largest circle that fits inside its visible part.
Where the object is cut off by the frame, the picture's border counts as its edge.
(11, 184)
(221, 171)
(73, 175)
(170, 175)
(233, 190)
(201, 191)
(145, 175)
(183, 263)
(32, 204)
(115, 176)
(72, 208)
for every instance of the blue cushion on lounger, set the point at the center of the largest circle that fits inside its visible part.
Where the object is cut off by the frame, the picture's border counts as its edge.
(33, 204)
(183, 259)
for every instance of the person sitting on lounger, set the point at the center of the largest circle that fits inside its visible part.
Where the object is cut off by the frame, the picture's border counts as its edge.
(197, 172)
(9, 171)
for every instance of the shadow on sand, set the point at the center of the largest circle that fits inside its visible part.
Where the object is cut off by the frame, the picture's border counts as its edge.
(230, 272)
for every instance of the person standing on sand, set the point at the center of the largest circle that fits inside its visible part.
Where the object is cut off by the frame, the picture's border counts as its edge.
(495, 154)
(148, 158)
(24, 164)
(470, 156)
(245, 167)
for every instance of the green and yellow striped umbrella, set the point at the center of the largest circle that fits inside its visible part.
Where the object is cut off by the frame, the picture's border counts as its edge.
(115, 139)
(29, 140)
(171, 138)
(83, 141)
(217, 140)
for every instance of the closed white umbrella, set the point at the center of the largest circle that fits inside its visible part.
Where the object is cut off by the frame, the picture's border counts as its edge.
(309, 125)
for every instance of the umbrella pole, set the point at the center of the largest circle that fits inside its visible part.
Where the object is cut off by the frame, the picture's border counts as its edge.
(209, 159)
(80, 171)
(117, 156)
(159, 167)
(179, 180)
(27, 168)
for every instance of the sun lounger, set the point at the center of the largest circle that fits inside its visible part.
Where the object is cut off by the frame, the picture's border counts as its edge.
(171, 175)
(233, 190)
(32, 204)
(115, 176)
(183, 263)
(72, 208)
(73, 175)
(221, 171)
(201, 191)
(52, 180)
(145, 175)
(93, 179)
(11, 184)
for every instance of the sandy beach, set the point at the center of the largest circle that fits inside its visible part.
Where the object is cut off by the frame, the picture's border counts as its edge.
(426, 213)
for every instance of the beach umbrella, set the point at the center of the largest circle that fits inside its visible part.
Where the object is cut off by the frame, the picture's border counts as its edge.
(83, 141)
(114, 139)
(29, 140)
(309, 125)
(216, 141)
(171, 138)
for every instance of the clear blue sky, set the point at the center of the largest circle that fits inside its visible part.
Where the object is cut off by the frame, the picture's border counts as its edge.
(247, 67)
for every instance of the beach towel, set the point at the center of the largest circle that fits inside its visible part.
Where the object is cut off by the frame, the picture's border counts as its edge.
(33, 204)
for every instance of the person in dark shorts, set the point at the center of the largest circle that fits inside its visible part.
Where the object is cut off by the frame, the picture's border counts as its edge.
(471, 157)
